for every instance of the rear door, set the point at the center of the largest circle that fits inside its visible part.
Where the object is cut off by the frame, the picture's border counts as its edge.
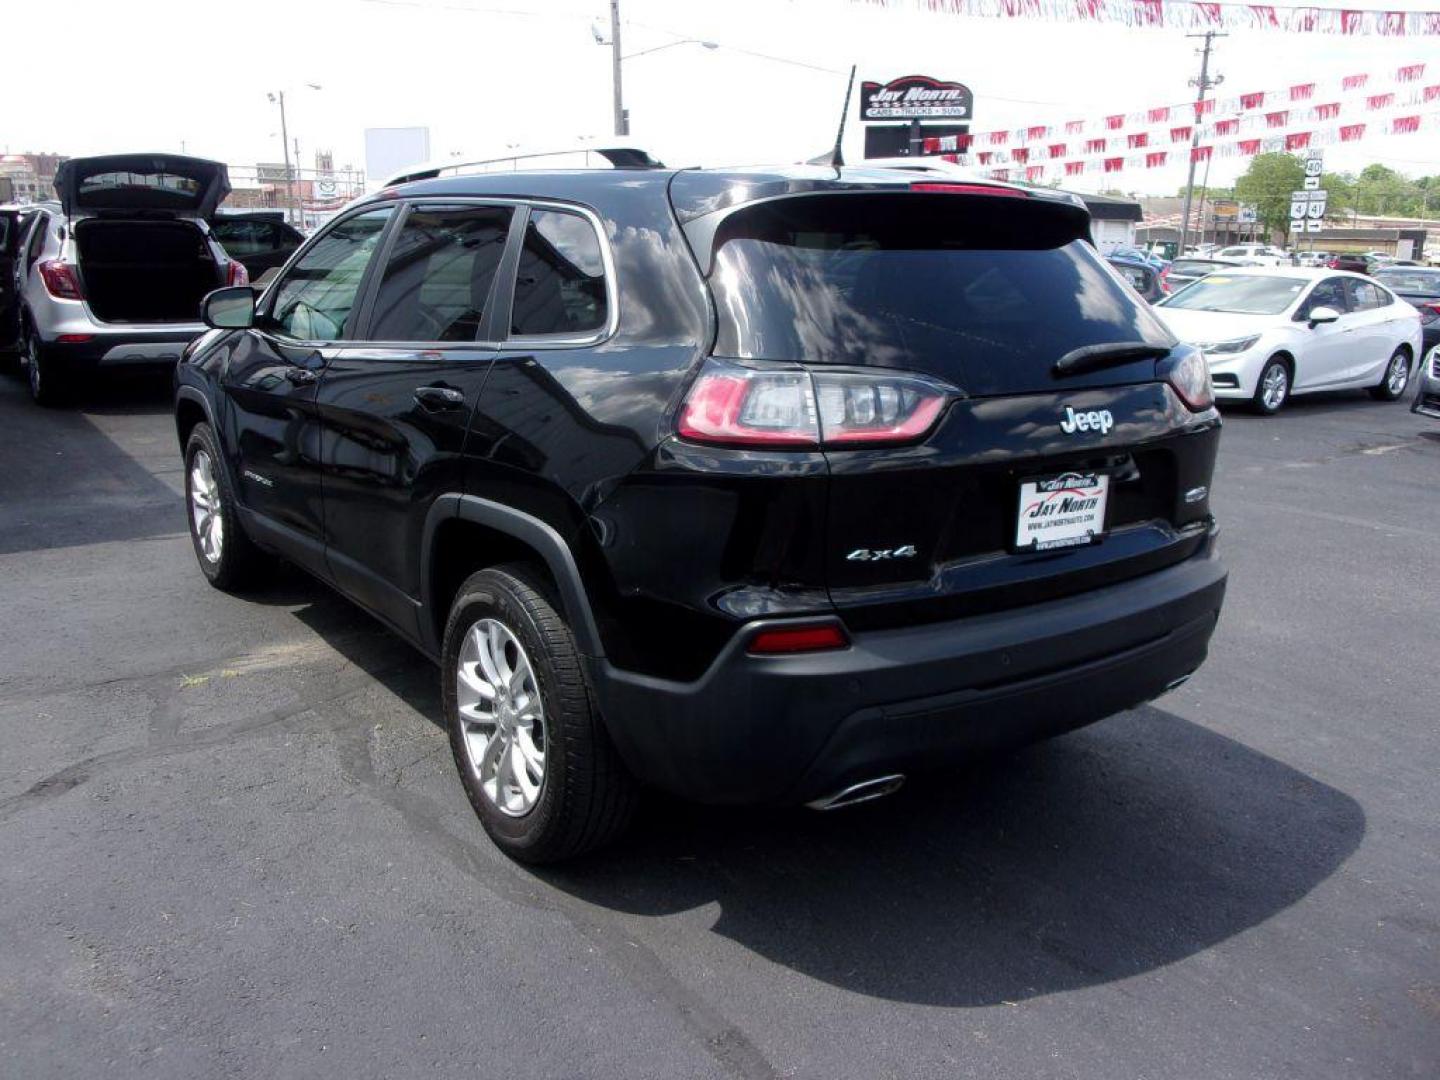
(273, 372)
(395, 403)
(1375, 335)
(985, 293)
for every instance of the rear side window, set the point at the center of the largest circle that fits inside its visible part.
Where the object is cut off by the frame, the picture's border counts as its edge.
(438, 278)
(314, 299)
(560, 283)
(6, 227)
(38, 230)
(986, 293)
(1364, 295)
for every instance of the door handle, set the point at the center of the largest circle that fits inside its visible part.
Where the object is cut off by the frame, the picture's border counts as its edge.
(301, 376)
(439, 397)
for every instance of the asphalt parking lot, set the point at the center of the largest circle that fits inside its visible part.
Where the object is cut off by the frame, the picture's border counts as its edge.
(232, 843)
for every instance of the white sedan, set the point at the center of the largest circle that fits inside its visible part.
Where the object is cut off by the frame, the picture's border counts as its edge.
(1272, 332)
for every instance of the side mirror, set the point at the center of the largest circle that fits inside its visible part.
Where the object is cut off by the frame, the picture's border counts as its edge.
(229, 309)
(1322, 315)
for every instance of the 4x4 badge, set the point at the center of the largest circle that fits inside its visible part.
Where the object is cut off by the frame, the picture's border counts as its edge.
(876, 554)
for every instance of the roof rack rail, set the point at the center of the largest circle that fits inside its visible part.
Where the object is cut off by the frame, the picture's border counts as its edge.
(608, 155)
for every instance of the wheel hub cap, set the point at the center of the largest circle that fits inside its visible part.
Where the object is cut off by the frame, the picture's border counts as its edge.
(205, 508)
(502, 717)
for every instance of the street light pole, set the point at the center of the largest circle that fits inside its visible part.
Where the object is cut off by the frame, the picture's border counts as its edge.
(622, 125)
(1202, 84)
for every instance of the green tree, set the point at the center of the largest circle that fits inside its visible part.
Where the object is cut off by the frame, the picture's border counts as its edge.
(1267, 185)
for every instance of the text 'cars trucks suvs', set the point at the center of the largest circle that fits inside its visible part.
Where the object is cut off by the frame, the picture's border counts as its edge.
(754, 486)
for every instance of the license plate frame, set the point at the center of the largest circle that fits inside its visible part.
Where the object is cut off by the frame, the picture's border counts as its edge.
(1064, 526)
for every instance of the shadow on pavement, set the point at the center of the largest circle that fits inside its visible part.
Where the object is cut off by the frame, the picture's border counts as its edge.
(1100, 856)
(1114, 851)
(65, 482)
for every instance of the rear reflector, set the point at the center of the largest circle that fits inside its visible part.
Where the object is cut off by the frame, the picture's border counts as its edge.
(785, 640)
(75, 339)
(970, 189)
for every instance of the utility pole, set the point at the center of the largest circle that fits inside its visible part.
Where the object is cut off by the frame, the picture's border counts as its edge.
(1202, 85)
(279, 97)
(622, 124)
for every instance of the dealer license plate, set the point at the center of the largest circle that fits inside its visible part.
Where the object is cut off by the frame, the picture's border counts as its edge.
(1061, 511)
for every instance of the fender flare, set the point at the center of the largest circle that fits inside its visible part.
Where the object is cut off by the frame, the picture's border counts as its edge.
(185, 392)
(536, 534)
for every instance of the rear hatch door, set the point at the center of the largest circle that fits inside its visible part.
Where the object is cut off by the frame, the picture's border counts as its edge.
(184, 186)
(985, 293)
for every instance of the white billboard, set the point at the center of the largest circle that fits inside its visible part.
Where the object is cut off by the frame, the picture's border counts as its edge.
(388, 150)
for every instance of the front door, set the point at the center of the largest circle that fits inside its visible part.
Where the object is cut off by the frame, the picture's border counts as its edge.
(1327, 344)
(271, 377)
(396, 405)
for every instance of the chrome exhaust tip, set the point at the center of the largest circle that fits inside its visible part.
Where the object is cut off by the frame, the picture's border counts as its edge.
(1174, 683)
(864, 791)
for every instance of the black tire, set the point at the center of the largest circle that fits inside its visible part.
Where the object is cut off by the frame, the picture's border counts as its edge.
(48, 386)
(586, 797)
(1264, 402)
(1388, 389)
(234, 565)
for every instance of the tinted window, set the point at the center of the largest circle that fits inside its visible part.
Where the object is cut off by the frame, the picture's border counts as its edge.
(242, 238)
(38, 230)
(1364, 295)
(314, 299)
(1238, 293)
(560, 283)
(986, 293)
(438, 279)
(5, 229)
(1329, 293)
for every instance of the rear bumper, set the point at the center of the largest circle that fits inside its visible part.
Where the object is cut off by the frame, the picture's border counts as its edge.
(152, 349)
(792, 729)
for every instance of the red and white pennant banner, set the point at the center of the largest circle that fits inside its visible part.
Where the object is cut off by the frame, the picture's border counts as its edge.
(1188, 15)
(1268, 108)
(1024, 167)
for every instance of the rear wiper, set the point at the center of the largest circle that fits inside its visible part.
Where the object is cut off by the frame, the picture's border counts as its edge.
(1095, 357)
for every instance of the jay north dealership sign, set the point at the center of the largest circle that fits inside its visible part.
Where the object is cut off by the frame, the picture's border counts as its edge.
(915, 97)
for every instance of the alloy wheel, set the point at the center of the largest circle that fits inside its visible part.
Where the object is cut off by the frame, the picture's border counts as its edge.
(32, 364)
(205, 507)
(1398, 375)
(502, 716)
(1274, 387)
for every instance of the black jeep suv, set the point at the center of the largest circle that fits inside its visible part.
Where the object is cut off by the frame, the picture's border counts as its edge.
(752, 485)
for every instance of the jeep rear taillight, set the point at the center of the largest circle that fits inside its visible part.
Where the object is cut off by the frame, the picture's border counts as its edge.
(236, 274)
(734, 405)
(60, 280)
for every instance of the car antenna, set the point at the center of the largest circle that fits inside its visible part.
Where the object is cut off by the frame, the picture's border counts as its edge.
(836, 158)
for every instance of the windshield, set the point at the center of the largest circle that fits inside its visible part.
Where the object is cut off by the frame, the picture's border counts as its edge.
(1239, 295)
(1411, 281)
(986, 293)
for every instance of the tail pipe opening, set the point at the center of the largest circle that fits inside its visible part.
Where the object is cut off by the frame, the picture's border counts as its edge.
(864, 791)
